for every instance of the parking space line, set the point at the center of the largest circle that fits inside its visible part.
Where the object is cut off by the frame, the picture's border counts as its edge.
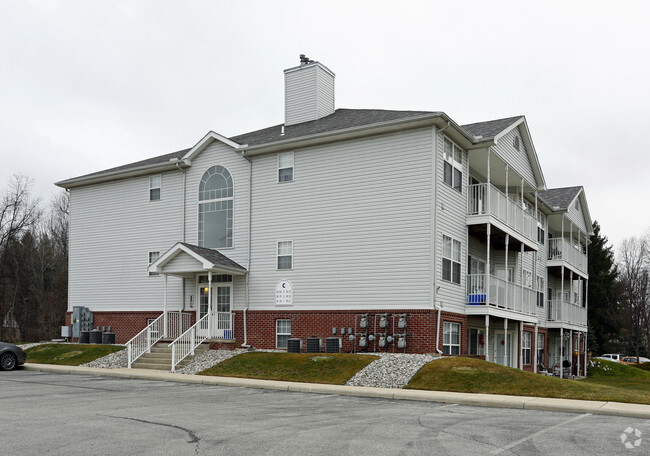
(543, 431)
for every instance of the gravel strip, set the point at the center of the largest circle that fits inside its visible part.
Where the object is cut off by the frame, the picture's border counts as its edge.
(115, 360)
(391, 370)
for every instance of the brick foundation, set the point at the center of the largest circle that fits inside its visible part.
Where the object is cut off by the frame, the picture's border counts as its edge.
(421, 328)
(125, 325)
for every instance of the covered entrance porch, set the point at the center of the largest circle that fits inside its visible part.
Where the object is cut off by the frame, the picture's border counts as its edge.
(210, 277)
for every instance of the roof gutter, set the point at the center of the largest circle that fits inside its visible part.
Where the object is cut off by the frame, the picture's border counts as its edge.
(123, 174)
(438, 119)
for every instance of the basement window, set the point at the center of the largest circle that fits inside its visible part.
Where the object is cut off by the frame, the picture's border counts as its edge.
(451, 338)
(282, 333)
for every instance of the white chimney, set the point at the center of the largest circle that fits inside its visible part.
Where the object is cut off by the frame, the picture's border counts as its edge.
(308, 92)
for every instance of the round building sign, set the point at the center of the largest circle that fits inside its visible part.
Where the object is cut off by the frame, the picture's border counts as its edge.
(284, 293)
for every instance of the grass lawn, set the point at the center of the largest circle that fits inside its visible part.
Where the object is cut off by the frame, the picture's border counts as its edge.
(478, 376)
(68, 354)
(609, 373)
(332, 368)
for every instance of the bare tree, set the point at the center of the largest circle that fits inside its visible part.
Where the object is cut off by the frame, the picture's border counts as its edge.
(633, 310)
(19, 212)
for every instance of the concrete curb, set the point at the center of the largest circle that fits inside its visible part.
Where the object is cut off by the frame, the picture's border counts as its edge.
(483, 400)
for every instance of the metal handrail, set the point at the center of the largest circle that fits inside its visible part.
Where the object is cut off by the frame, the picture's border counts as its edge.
(142, 342)
(185, 344)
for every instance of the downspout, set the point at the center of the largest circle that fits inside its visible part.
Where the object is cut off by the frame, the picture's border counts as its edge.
(435, 289)
(183, 234)
(248, 260)
(439, 307)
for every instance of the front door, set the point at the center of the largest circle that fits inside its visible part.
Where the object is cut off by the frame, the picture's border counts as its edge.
(219, 324)
(503, 348)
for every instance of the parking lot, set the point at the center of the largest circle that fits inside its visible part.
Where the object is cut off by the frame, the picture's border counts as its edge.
(49, 413)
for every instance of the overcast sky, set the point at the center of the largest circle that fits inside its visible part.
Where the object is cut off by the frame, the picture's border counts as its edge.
(86, 86)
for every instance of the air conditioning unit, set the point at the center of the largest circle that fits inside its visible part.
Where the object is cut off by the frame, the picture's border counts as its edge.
(294, 346)
(333, 345)
(314, 345)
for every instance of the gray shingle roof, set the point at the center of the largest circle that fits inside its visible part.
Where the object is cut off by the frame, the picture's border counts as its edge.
(160, 159)
(491, 128)
(559, 198)
(339, 120)
(214, 257)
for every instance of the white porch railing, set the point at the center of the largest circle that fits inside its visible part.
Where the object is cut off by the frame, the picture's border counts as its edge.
(502, 294)
(561, 249)
(484, 199)
(177, 322)
(566, 312)
(213, 325)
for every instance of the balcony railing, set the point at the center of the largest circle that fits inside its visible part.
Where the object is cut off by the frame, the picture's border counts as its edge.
(566, 312)
(502, 294)
(484, 199)
(561, 249)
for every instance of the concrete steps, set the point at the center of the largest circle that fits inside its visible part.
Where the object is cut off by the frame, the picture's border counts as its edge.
(160, 357)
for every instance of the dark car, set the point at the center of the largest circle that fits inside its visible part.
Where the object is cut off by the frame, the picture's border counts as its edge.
(10, 356)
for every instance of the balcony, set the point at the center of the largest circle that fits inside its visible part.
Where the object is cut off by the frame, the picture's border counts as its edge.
(486, 203)
(502, 295)
(561, 250)
(561, 313)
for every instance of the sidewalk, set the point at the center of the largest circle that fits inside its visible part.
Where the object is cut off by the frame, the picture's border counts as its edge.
(485, 400)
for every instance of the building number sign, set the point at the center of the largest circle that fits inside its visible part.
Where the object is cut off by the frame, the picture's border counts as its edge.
(284, 293)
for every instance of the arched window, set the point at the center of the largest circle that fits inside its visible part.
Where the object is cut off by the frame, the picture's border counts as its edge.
(215, 208)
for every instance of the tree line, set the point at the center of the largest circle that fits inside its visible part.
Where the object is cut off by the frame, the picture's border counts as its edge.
(33, 263)
(619, 295)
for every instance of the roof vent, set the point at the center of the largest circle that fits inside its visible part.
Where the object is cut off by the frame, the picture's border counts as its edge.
(304, 60)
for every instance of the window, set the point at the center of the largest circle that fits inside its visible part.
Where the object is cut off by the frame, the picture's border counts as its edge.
(505, 274)
(282, 333)
(450, 259)
(215, 208)
(154, 187)
(540, 291)
(528, 279)
(451, 338)
(476, 342)
(515, 142)
(285, 167)
(525, 347)
(541, 237)
(153, 256)
(540, 349)
(285, 254)
(453, 165)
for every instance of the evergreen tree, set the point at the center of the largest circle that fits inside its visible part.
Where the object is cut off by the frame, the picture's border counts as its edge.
(602, 292)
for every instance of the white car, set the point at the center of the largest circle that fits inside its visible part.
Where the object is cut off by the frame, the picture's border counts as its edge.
(616, 357)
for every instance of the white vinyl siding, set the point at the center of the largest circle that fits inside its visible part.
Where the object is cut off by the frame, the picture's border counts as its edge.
(517, 160)
(450, 216)
(348, 253)
(107, 240)
(309, 94)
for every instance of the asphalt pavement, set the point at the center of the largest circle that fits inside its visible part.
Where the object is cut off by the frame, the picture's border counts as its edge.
(485, 400)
